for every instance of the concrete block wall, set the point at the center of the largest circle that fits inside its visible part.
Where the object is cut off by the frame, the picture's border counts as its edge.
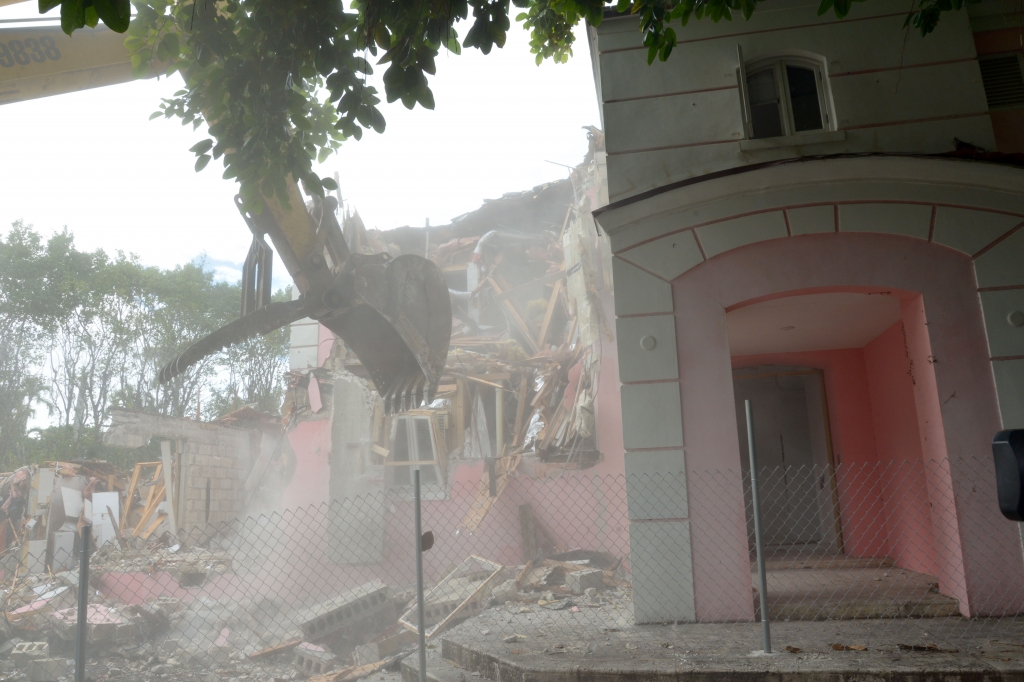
(213, 482)
(222, 455)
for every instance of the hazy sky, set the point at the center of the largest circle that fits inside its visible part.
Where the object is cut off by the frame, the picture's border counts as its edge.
(94, 162)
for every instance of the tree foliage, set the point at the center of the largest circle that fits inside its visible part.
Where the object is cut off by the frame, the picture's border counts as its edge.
(86, 333)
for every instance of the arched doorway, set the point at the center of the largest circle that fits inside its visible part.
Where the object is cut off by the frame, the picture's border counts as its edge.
(939, 338)
(848, 526)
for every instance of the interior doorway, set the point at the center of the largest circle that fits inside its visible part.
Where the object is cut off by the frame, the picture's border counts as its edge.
(796, 467)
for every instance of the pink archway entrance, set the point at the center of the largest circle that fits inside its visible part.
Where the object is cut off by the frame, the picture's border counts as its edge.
(921, 389)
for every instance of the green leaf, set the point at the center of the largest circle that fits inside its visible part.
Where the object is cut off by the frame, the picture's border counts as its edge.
(329, 184)
(377, 120)
(169, 46)
(201, 147)
(116, 14)
(824, 7)
(72, 15)
(202, 161)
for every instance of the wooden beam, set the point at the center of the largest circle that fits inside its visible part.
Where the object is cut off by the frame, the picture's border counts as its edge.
(156, 496)
(515, 318)
(524, 387)
(520, 288)
(565, 223)
(276, 649)
(543, 333)
(469, 377)
(161, 517)
(136, 474)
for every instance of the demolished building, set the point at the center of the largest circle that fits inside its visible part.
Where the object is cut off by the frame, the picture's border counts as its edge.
(530, 389)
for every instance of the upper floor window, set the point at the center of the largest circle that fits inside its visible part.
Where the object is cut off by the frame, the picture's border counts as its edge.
(785, 96)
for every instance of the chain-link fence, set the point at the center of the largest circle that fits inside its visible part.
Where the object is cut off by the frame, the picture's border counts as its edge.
(910, 552)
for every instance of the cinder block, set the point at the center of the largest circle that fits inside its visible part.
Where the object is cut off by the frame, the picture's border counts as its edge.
(311, 659)
(367, 605)
(578, 581)
(49, 669)
(29, 651)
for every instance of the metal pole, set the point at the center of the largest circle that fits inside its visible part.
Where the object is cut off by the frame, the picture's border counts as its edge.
(761, 577)
(420, 606)
(83, 605)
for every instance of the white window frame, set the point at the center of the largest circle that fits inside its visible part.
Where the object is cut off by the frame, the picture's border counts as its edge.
(431, 491)
(778, 64)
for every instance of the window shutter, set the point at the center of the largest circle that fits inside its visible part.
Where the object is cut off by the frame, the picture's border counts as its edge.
(1003, 78)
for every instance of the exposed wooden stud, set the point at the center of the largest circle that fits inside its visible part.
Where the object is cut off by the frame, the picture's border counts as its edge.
(524, 386)
(161, 517)
(543, 333)
(156, 496)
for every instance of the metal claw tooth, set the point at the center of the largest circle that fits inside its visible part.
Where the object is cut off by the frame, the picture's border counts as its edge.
(418, 392)
(406, 397)
(412, 392)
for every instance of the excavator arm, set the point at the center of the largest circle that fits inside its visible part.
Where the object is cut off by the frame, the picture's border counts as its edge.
(394, 313)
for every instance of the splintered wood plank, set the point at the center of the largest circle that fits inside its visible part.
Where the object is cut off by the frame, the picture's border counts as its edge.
(161, 517)
(156, 496)
(524, 386)
(508, 305)
(136, 474)
(276, 649)
(520, 288)
(543, 333)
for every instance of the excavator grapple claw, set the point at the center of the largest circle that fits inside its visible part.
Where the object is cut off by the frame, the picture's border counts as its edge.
(394, 313)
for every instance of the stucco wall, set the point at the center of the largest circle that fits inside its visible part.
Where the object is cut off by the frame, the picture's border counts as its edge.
(682, 118)
(946, 229)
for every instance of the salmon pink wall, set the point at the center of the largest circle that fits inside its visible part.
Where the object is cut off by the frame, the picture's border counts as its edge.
(311, 443)
(909, 541)
(954, 391)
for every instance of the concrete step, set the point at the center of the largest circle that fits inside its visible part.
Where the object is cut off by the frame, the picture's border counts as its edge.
(438, 669)
(869, 666)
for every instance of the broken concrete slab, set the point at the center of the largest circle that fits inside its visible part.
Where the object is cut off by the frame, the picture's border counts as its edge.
(578, 581)
(50, 669)
(102, 624)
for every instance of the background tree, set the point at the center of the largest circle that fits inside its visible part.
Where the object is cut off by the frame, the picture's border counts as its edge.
(85, 333)
(40, 283)
(256, 370)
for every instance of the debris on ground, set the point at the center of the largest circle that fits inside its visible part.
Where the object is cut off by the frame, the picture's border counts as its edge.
(459, 595)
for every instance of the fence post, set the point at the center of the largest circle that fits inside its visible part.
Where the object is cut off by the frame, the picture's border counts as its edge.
(83, 605)
(420, 605)
(762, 578)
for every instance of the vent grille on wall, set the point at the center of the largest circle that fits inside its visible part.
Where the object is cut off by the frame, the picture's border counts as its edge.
(1003, 76)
